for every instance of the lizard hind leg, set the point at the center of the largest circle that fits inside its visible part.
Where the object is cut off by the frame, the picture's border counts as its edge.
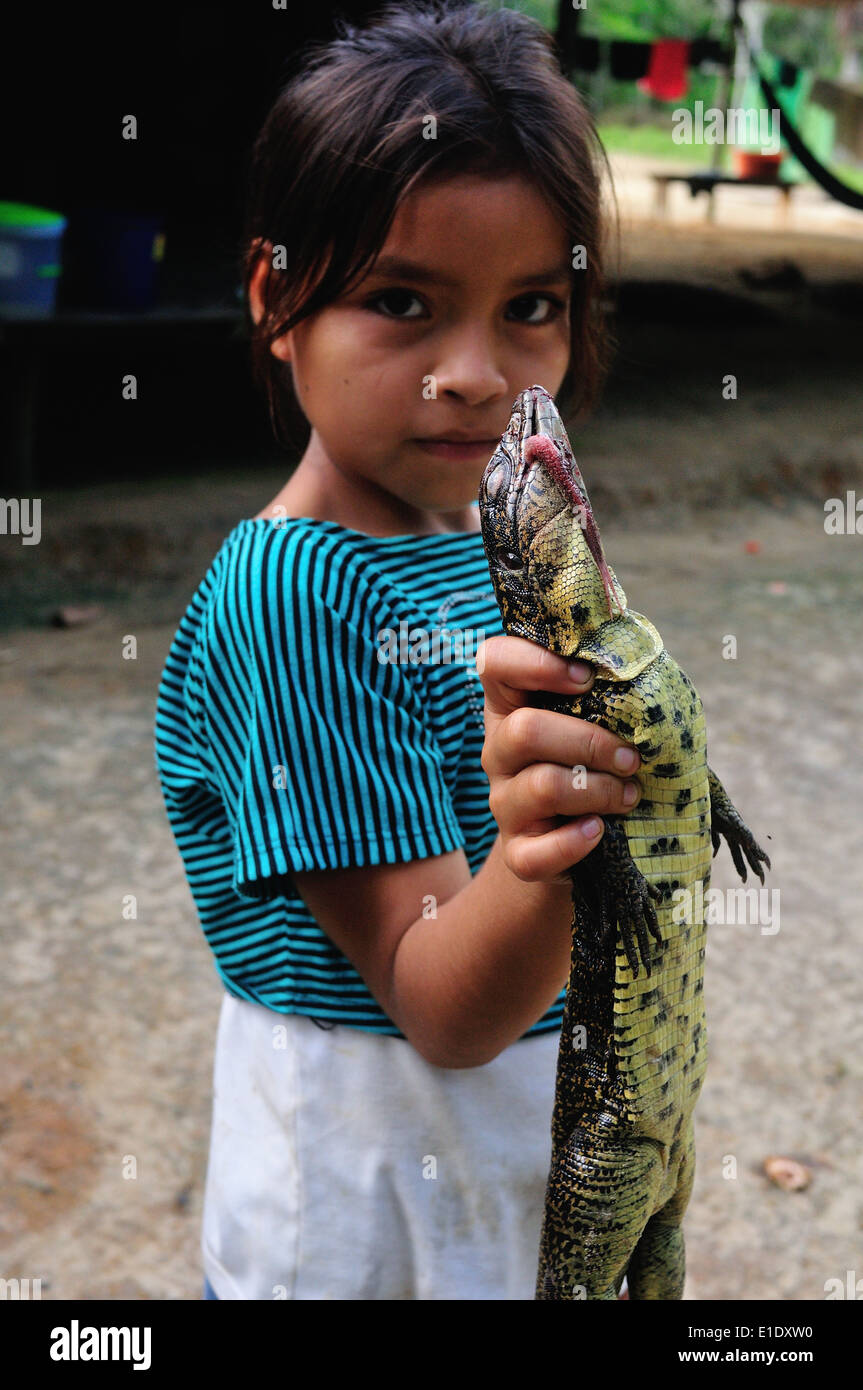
(657, 1269)
(599, 1191)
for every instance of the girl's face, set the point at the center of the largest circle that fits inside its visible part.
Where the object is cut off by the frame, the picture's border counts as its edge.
(408, 380)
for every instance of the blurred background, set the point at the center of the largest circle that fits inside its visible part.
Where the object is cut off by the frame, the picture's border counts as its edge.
(121, 256)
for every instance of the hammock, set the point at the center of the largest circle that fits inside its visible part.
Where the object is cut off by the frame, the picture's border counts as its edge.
(829, 182)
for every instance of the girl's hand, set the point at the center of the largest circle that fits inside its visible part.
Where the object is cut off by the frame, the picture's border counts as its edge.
(529, 757)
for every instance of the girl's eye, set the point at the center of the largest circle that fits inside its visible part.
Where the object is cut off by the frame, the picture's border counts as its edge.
(527, 304)
(397, 301)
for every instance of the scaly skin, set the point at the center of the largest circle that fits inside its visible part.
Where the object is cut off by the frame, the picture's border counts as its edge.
(633, 1047)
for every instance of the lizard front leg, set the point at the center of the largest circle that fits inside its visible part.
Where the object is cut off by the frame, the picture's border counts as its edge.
(726, 820)
(617, 895)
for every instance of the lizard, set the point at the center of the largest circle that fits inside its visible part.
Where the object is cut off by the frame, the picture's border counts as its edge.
(633, 1045)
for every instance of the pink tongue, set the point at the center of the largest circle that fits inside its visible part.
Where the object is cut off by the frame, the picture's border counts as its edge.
(543, 448)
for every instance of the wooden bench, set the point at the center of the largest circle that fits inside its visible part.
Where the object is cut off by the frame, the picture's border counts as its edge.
(707, 181)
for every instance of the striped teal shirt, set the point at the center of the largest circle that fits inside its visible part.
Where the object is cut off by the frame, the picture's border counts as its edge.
(320, 709)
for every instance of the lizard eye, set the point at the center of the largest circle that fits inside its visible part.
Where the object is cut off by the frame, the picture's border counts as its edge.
(510, 559)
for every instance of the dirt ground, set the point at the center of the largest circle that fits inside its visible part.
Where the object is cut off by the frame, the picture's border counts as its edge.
(713, 516)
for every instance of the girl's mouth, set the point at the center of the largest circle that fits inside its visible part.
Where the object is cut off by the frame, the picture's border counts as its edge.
(458, 448)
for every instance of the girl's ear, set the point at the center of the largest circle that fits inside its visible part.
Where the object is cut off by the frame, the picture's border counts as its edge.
(280, 347)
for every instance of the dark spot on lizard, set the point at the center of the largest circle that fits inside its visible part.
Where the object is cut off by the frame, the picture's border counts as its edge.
(683, 796)
(543, 574)
(654, 714)
(665, 846)
(579, 611)
(686, 740)
(666, 769)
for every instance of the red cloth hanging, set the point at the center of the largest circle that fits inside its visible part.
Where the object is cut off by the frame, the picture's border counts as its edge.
(667, 74)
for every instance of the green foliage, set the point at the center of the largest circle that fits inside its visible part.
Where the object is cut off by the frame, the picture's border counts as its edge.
(801, 35)
(543, 10)
(804, 36)
(654, 19)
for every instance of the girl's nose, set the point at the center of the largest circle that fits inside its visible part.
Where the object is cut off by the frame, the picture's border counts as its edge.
(471, 373)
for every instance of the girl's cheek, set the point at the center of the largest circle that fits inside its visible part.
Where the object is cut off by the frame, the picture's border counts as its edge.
(373, 333)
(552, 348)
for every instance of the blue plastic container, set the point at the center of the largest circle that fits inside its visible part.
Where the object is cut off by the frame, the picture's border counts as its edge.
(30, 259)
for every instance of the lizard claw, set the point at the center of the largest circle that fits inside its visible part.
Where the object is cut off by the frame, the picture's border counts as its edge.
(725, 820)
(640, 912)
(739, 838)
(625, 898)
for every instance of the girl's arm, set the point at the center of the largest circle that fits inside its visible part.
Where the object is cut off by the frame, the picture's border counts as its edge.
(465, 965)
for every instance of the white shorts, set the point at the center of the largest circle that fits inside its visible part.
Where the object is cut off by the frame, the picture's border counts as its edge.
(343, 1165)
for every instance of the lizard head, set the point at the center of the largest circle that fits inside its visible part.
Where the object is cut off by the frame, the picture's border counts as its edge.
(551, 578)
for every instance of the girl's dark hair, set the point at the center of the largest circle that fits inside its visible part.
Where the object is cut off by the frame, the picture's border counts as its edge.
(343, 146)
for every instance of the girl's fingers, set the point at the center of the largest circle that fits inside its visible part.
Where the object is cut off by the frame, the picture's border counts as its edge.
(545, 766)
(532, 735)
(546, 858)
(509, 666)
(542, 791)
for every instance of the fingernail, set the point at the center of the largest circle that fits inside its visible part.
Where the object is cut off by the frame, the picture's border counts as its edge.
(579, 671)
(630, 793)
(626, 760)
(591, 827)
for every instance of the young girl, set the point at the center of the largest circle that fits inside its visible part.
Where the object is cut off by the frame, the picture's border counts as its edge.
(378, 861)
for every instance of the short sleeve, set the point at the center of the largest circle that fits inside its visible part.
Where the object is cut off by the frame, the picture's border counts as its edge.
(338, 767)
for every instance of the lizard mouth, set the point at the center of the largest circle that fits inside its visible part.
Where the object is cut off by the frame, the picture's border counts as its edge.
(543, 442)
(544, 439)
